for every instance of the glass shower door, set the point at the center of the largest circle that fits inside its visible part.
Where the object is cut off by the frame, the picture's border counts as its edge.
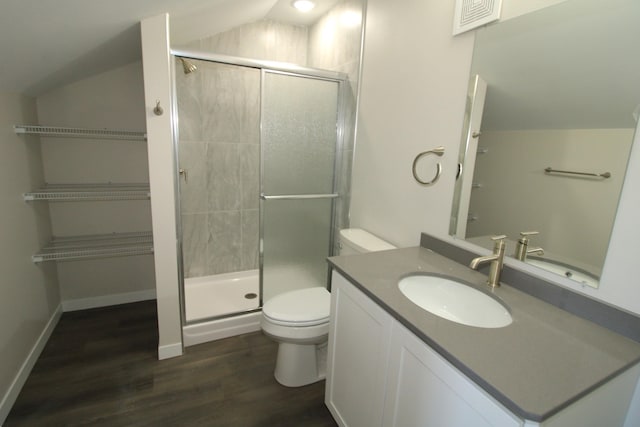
(218, 109)
(299, 140)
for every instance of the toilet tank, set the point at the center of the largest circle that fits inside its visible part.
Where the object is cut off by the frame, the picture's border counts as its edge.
(357, 241)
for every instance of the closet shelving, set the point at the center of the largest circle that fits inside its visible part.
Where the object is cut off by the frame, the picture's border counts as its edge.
(96, 245)
(89, 192)
(67, 132)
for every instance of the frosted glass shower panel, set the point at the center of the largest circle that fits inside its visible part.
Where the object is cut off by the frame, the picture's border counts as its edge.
(296, 244)
(299, 134)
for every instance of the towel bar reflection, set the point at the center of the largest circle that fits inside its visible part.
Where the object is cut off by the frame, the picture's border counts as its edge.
(604, 175)
(438, 151)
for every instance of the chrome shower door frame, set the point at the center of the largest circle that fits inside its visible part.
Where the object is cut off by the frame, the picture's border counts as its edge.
(265, 67)
(341, 80)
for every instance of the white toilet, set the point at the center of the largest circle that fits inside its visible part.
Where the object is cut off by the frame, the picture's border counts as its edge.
(299, 320)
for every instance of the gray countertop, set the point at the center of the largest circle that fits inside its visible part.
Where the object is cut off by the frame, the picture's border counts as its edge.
(542, 362)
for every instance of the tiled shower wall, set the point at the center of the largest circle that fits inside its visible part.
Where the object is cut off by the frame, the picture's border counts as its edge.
(219, 153)
(219, 134)
(219, 116)
(334, 44)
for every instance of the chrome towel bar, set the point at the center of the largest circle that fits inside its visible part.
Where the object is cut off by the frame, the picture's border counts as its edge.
(604, 175)
(299, 196)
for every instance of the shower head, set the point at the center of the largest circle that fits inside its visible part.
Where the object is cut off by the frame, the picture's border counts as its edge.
(187, 66)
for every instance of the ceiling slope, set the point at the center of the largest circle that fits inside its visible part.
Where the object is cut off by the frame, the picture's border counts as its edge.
(47, 44)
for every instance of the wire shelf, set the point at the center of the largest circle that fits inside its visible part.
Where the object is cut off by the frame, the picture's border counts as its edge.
(96, 246)
(89, 192)
(56, 131)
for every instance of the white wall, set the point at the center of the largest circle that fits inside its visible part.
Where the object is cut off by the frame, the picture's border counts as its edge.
(157, 88)
(29, 297)
(413, 91)
(414, 85)
(111, 100)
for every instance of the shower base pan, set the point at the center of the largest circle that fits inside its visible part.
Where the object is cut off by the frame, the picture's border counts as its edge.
(221, 295)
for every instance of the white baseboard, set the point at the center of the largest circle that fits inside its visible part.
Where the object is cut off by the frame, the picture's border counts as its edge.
(107, 300)
(23, 373)
(219, 329)
(169, 351)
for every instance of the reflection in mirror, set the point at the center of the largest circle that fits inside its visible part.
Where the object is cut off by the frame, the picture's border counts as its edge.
(562, 89)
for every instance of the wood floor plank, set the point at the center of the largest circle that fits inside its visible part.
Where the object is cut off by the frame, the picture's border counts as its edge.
(100, 369)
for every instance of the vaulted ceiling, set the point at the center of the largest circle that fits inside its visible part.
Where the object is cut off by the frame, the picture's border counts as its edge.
(46, 44)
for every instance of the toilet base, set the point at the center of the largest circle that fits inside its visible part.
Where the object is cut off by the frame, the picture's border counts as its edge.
(300, 364)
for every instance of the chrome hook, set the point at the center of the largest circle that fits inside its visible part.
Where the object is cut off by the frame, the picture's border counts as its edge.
(158, 109)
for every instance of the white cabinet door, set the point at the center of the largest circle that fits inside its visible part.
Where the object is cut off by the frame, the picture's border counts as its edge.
(423, 389)
(358, 352)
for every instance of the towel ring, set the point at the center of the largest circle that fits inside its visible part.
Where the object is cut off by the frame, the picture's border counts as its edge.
(438, 151)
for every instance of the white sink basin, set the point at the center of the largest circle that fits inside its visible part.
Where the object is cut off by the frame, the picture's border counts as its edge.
(455, 301)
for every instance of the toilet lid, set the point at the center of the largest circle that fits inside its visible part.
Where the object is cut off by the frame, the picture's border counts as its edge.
(304, 307)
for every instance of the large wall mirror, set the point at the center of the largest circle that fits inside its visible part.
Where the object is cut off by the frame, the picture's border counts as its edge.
(546, 149)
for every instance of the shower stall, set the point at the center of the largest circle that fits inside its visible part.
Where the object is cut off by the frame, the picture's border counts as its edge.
(258, 148)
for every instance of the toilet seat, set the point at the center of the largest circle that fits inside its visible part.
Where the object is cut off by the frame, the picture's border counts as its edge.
(299, 322)
(300, 308)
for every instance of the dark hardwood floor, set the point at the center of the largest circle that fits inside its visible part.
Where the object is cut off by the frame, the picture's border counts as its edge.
(100, 369)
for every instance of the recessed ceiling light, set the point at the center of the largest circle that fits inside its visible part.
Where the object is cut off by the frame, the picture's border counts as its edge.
(303, 5)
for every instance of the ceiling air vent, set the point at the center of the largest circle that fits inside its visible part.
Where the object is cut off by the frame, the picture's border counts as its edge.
(471, 14)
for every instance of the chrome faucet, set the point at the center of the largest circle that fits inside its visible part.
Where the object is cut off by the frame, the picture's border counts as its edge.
(496, 259)
(522, 247)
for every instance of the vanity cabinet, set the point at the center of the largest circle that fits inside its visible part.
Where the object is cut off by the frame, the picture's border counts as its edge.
(425, 390)
(380, 374)
(358, 356)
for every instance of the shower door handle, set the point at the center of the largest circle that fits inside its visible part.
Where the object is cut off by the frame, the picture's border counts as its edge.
(300, 196)
(183, 172)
